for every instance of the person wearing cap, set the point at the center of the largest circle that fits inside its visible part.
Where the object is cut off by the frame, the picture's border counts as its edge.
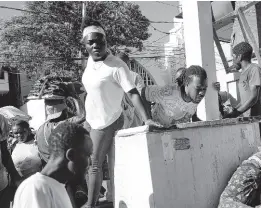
(106, 79)
(57, 113)
(249, 82)
(132, 118)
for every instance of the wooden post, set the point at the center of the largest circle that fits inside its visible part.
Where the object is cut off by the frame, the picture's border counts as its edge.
(242, 29)
(199, 48)
(218, 45)
(243, 20)
(220, 50)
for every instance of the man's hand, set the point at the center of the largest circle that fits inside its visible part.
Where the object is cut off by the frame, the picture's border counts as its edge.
(234, 114)
(150, 122)
(227, 109)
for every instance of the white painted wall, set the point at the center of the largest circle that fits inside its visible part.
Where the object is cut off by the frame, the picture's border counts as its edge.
(152, 170)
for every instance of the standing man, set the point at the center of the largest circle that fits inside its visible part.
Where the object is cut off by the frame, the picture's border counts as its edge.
(249, 82)
(70, 148)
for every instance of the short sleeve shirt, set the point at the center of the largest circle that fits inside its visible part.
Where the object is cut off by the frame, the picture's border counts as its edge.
(105, 82)
(250, 76)
(170, 108)
(40, 191)
(4, 131)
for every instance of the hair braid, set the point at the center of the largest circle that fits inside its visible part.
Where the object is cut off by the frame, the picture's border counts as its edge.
(188, 73)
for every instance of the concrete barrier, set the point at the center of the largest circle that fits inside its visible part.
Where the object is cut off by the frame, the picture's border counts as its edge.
(180, 168)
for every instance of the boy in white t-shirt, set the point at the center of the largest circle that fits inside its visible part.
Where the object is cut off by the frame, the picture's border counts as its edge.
(70, 148)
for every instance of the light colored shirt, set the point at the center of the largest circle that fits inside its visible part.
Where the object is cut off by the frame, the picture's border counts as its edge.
(4, 131)
(105, 83)
(26, 158)
(248, 77)
(40, 191)
(132, 118)
(170, 108)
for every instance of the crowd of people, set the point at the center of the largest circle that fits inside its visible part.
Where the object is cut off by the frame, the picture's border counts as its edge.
(62, 162)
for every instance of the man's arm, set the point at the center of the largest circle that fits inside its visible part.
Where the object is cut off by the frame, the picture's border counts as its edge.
(137, 102)
(254, 93)
(8, 163)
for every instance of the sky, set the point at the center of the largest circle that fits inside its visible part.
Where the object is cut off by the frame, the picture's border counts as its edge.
(153, 10)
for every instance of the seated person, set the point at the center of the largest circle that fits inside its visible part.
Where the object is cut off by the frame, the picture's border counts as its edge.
(244, 188)
(177, 103)
(25, 152)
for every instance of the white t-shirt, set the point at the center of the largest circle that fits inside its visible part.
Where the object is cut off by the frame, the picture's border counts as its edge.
(4, 130)
(40, 191)
(26, 158)
(170, 108)
(105, 83)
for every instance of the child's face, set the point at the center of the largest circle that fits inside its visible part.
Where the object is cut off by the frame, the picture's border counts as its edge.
(20, 133)
(196, 89)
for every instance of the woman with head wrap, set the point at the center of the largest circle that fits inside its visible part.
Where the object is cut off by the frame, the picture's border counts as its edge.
(106, 79)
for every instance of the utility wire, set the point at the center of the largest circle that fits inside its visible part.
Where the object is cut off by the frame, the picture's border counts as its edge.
(46, 13)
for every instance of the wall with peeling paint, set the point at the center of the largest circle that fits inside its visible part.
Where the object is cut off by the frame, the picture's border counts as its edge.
(186, 167)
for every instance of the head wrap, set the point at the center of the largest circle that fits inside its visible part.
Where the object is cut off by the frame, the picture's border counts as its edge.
(242, 48)
(93, 29)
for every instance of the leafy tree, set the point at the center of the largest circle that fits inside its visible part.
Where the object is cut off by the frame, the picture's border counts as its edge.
(48, 37)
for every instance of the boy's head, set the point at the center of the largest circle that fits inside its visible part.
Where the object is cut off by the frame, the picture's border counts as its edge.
(21, 130)
(242, 52)
(71, 143)
(94, 39)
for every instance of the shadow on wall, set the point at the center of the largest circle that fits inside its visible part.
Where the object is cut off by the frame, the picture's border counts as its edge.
(122, 204)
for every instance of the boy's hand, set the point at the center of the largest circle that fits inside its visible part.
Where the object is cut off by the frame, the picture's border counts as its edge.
(234, 114)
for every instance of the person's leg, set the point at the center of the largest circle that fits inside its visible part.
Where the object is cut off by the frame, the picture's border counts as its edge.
(102, 140)
(7, 196)
(111, 164)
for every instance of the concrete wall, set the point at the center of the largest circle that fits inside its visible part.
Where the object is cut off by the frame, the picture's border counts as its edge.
(186, 167)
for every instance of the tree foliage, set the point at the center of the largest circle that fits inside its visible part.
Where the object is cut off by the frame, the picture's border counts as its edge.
(48, 38)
